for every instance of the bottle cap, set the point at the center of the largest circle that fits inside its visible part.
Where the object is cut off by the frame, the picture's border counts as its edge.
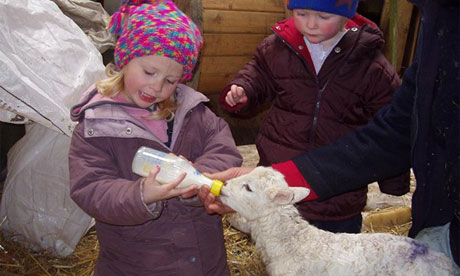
(216, 187)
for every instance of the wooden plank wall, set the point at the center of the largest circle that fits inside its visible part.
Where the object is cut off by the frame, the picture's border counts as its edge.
(232, 29)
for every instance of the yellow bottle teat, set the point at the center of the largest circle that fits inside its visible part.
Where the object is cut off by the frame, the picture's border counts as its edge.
(216, 187)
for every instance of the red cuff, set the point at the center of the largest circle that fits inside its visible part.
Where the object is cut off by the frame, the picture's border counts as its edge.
(294, 178)
(225, 105)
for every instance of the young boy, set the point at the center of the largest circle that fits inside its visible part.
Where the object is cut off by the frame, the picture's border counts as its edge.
(326, 75)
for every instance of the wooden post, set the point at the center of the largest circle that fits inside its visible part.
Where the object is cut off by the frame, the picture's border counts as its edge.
(394, 23)
(412, 38)
(393, 34)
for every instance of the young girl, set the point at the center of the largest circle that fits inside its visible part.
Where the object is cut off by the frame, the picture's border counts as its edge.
(145, 228)
(326, 75)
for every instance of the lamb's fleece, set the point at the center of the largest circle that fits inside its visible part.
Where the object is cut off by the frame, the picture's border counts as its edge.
(289, 245)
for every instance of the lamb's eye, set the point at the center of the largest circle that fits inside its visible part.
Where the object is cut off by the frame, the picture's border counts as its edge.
(246, 186)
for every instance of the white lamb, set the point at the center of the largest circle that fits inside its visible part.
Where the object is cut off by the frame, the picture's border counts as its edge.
(289, 245)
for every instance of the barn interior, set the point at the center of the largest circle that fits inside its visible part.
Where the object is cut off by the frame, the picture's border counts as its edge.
(232, 29)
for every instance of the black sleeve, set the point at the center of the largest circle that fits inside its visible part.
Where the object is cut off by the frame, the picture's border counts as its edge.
(379, 150)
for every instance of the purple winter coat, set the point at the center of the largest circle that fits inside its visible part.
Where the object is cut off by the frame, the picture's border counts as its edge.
(170, 237)
(310, 110)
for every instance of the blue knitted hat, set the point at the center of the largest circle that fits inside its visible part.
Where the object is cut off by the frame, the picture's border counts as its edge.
(345, 8)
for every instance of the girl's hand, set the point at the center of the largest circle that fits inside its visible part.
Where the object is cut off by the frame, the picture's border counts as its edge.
(236, 95)
(193, 192)
(154, 191)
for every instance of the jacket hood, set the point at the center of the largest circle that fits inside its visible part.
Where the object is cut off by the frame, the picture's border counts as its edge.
(91, 99)
(368, 39)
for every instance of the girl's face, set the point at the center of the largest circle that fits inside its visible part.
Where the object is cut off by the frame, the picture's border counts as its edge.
(151, 79)
(318, 27)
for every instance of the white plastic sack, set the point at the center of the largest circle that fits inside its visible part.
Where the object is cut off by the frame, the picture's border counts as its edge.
(36, 207)
(46, 63)
(91, 17)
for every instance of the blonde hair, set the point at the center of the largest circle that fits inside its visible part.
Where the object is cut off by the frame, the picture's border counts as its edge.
(114, 85)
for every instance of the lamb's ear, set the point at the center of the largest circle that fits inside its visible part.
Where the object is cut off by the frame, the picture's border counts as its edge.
(280, 196)
(299, 193)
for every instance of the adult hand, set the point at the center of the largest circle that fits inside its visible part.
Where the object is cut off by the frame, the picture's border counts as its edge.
(213, 204)
(230, 173)
(190, 193)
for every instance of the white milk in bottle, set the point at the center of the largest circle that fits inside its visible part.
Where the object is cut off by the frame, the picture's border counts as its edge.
(171, 166)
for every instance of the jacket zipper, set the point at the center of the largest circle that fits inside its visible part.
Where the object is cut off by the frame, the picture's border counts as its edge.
(319, 94)
(316, 114)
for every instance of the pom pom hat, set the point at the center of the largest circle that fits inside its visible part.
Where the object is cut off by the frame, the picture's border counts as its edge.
(155, 27)
(345, 8)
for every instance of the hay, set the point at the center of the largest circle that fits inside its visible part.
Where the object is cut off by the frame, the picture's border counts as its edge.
(17, 259)
(242, 258)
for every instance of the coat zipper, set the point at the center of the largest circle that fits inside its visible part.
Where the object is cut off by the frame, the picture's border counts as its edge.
(319, 94)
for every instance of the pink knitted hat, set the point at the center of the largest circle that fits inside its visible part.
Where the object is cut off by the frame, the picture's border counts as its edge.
(155, 27)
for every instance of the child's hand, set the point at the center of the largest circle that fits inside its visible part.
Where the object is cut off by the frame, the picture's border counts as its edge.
(154, 191)
(236, 95)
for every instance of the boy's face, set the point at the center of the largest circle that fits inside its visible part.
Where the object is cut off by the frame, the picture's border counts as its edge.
(317, 26)
(151, 79)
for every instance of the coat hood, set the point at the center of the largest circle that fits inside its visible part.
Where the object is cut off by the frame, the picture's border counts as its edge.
(186, 97)
(369, 36)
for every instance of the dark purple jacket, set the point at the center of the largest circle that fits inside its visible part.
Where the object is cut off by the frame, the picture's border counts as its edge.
(167, 237)
(420, 129)
(311, 110)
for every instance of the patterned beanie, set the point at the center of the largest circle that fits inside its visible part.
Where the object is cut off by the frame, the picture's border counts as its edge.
(155, 27)
(345, 8)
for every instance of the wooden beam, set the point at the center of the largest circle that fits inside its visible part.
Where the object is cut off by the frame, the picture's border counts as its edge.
(245, 5)
(396, 35)
(221, 21)
(412, 38)
(231, 44)
(216, 72)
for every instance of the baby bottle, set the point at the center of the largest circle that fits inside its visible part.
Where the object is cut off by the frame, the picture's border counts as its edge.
(171, 166)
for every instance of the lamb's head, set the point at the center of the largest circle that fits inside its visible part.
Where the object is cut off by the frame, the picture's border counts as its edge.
(254, 194)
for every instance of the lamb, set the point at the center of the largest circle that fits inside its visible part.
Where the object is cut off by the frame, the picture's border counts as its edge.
(289, 245)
